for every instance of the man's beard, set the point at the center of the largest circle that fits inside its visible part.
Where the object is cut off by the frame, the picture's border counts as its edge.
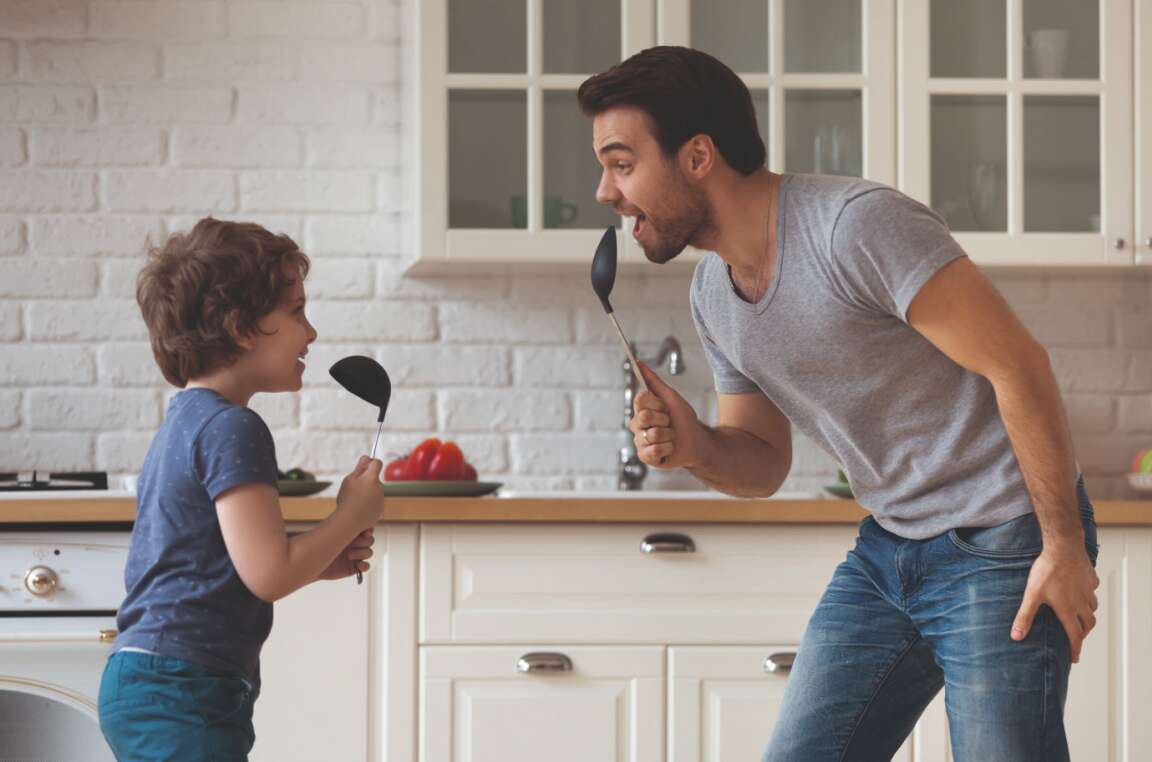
(681, 221)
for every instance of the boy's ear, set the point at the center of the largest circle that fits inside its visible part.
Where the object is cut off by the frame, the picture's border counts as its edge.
(232, 326)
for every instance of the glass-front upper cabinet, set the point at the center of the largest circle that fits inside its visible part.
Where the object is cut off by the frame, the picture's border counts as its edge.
(1017, 126)
(820, 73)
(507, 174)
(1143, 129)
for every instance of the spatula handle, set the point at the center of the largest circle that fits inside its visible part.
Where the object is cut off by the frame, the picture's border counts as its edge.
(628, 350)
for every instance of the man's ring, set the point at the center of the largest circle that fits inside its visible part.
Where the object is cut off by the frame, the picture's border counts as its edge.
(645, 434)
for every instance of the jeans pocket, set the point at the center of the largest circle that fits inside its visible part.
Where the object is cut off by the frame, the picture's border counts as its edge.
(1014, 539)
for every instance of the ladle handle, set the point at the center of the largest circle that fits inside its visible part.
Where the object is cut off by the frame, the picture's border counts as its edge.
(628, 350)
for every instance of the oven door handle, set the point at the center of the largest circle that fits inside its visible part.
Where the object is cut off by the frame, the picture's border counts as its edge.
(49, 636)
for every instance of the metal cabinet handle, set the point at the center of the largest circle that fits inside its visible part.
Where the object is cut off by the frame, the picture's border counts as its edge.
(1119, 243)
(1148, 242)
(667, 542)
(779, 663)
(543, 661)
(107, 636)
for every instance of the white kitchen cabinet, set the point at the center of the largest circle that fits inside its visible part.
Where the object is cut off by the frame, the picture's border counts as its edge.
(723, 701)
(501, 156)
(1143, 33)
(666, 649)
(717, 610)
(1017, 126)
(504, 171)
(533, 703)
(820, 74)
(1023, 122)
(339, 667)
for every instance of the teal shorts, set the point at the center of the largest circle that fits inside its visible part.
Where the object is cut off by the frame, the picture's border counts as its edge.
(156, 707)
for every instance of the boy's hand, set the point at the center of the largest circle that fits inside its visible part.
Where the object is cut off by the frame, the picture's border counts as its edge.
(362, 492)
(353, 558)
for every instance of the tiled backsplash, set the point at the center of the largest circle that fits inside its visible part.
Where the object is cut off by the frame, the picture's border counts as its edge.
(122, 121)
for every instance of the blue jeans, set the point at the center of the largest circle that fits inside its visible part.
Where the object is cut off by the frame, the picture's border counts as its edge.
(902, 619)
(159, 708)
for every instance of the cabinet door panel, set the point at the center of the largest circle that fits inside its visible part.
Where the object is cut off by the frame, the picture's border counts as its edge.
(339, 669)
(723, 704)
(477, 707)
(313, 702)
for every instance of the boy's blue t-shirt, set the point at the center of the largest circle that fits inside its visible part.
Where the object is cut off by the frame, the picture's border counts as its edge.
(185, 599)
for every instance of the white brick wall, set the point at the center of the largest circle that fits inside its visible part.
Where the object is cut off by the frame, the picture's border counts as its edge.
(124, 121)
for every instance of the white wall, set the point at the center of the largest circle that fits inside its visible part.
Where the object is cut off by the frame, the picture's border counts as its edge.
(130, 119)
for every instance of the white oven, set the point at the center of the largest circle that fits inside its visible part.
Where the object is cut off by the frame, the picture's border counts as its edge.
(59, 590)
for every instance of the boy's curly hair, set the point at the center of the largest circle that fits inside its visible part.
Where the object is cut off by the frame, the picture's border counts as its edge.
(204, 289)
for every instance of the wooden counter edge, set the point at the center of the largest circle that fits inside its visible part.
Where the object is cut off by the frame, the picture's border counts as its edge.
(539, 510)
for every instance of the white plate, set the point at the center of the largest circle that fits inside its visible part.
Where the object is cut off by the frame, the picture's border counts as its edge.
(300, 487)
(1140, 482)
(469, 488)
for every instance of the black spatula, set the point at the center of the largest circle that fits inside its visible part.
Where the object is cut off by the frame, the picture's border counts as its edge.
(603, 279)
(368, 380)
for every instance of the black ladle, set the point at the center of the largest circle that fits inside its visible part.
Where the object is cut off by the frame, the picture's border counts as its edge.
(368, 380)
(603, 279)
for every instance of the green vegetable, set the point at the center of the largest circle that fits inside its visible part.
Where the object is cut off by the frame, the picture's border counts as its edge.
(295, 475)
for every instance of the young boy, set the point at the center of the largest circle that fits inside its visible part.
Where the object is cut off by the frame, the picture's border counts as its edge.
(224, 305)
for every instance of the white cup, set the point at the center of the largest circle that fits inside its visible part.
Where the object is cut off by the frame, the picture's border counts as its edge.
(1049, 51)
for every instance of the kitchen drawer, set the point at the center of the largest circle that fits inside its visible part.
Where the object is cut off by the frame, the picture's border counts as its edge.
(559, 703)
(594, 584)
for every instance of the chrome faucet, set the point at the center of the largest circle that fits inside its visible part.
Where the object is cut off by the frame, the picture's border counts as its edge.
(630, 471)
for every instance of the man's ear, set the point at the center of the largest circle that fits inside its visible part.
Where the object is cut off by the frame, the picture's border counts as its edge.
(698, 156)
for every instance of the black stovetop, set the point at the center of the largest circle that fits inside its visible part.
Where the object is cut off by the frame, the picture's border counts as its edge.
(53, 482)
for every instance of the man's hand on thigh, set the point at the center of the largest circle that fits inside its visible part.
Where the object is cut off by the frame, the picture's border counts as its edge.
(1065, 580)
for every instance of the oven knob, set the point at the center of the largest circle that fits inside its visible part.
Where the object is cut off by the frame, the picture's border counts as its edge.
(40, 580)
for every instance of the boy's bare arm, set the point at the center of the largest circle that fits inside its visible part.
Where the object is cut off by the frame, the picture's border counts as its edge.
(271, 564)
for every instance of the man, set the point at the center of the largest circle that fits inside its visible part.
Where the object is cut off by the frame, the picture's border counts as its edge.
(846, 309)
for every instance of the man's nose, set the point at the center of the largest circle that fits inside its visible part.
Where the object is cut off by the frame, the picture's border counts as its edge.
(606, 192)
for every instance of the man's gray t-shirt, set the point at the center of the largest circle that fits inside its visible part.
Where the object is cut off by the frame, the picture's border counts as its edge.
(919, 436)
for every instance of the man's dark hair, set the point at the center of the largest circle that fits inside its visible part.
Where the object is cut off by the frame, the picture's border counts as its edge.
(204, 288)
(685, 93)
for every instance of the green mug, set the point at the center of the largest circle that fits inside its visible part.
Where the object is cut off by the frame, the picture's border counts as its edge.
(557, 211)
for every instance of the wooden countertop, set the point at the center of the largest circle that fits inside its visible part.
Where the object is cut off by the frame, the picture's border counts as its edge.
(490, 509)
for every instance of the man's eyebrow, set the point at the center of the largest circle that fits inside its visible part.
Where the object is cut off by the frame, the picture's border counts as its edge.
(614, 147)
